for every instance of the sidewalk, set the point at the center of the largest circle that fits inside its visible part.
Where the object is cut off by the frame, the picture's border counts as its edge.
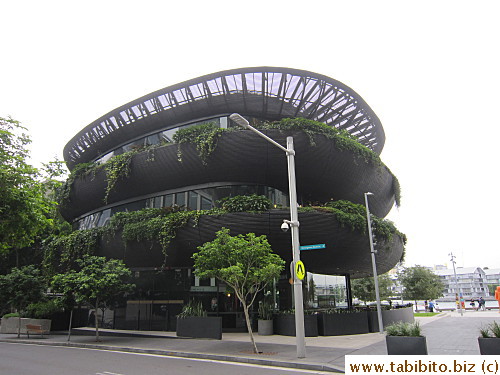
(447, 333)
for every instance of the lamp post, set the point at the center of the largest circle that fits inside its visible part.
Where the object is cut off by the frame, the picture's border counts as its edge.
(374, 266)
(456, 284)
(293, 223)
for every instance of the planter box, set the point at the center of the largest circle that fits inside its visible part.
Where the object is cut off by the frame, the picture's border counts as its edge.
(489, 345)
(406, 345)
(349, 323)
(265, 327)
(390, 316)
(206, 327)
(10, 325)
(285, 325)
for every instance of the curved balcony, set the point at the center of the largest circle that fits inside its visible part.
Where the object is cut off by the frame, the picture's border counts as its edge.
(265, 92)
(323, 172)
(346, 251)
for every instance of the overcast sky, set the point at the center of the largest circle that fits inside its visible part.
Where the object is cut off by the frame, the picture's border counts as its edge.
(429, 69)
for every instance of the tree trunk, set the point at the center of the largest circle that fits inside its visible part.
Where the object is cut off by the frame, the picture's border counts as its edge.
(96, 321)
(19, 326)
(70, 323)
(249, 326)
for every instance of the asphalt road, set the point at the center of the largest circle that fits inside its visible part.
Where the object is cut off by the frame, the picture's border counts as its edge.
(23, 359)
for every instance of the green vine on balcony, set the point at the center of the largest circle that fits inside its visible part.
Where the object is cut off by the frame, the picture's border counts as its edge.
(204, 136)
(116, 168)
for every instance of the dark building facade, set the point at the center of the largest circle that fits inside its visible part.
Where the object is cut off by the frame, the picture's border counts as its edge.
(163, 172)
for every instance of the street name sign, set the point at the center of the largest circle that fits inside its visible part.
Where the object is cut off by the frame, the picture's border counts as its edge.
(313, 247)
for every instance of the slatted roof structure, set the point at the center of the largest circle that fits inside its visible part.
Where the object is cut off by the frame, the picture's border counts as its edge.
(264, 92)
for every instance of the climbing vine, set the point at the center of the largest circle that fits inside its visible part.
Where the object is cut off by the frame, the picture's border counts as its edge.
(116, 168)
(160, 226)
(204, 136)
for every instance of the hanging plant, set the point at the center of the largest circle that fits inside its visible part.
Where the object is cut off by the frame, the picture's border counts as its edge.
(204, 136)
(116, 168)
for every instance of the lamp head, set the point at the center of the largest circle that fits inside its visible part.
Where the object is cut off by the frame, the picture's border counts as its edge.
(240, 120)
(368, 193)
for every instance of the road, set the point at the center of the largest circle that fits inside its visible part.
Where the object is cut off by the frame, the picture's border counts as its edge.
(27, 359)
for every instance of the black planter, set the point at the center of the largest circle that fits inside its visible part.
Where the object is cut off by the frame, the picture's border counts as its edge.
(200, 327)
(489, 345)
(349, 323)
(285, 325)
(406, 345)
(390, 316)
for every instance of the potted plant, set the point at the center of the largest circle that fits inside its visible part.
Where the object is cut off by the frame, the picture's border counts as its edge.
(489, 341)
(194, 322)
(406, 339)
(265, 321)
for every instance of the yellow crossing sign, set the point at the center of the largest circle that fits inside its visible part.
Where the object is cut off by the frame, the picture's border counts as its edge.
(300, 270)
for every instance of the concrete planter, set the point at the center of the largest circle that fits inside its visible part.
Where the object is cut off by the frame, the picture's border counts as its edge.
(348, 323)
(200, 327)
(285, 325)
(265, 327)
(406, 345)
(489, 345)
(390, 316)
(10, 325)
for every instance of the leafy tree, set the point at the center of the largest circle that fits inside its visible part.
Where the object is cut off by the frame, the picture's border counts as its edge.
(21, 287)
(245, 263)
(98, 283)
(27, 207)
(492, 288)
(364, 288)
(420, 283)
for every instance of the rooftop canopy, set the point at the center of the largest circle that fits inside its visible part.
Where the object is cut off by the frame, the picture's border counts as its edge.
(265, 92)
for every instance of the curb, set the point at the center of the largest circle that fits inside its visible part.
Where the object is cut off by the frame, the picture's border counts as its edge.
(171, 353)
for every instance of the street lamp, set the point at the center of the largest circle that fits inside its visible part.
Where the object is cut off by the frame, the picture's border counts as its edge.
(374, 266)
(293, 223)
(456, 283)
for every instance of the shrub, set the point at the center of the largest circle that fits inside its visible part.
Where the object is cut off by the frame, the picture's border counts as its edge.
(43, 310)
(404, 329)
(491, 330)
(241, 203)
(192, 309)
(265, 310)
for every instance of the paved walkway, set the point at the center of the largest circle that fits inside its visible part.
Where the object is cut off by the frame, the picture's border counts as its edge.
(447, 333)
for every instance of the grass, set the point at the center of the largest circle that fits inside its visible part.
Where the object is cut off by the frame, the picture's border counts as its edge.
(426, 314)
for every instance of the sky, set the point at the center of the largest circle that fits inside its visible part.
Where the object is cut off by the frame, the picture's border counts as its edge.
(429, 69)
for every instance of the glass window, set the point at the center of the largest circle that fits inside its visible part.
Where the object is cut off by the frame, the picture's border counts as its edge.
(206, 204)
(168, 200)
(105, 217)
(193, 200)
(153, 139)
(180, 199)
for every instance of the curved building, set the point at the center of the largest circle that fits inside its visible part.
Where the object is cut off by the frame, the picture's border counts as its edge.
(165, 171)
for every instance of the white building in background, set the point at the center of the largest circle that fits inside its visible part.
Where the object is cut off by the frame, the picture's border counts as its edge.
(472, 282)
(492, 276)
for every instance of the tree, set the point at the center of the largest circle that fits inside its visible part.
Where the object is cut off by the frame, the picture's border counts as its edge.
(98, 283)
(21, 287)
(26, 206)
(364, 289)
(419, 283)
(245, 263)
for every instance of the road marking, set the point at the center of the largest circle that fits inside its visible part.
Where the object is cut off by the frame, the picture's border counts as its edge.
(180, 357)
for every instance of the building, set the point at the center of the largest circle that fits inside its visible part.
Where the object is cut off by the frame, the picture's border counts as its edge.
(471, 282)
(139, 142)
(492, 278)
